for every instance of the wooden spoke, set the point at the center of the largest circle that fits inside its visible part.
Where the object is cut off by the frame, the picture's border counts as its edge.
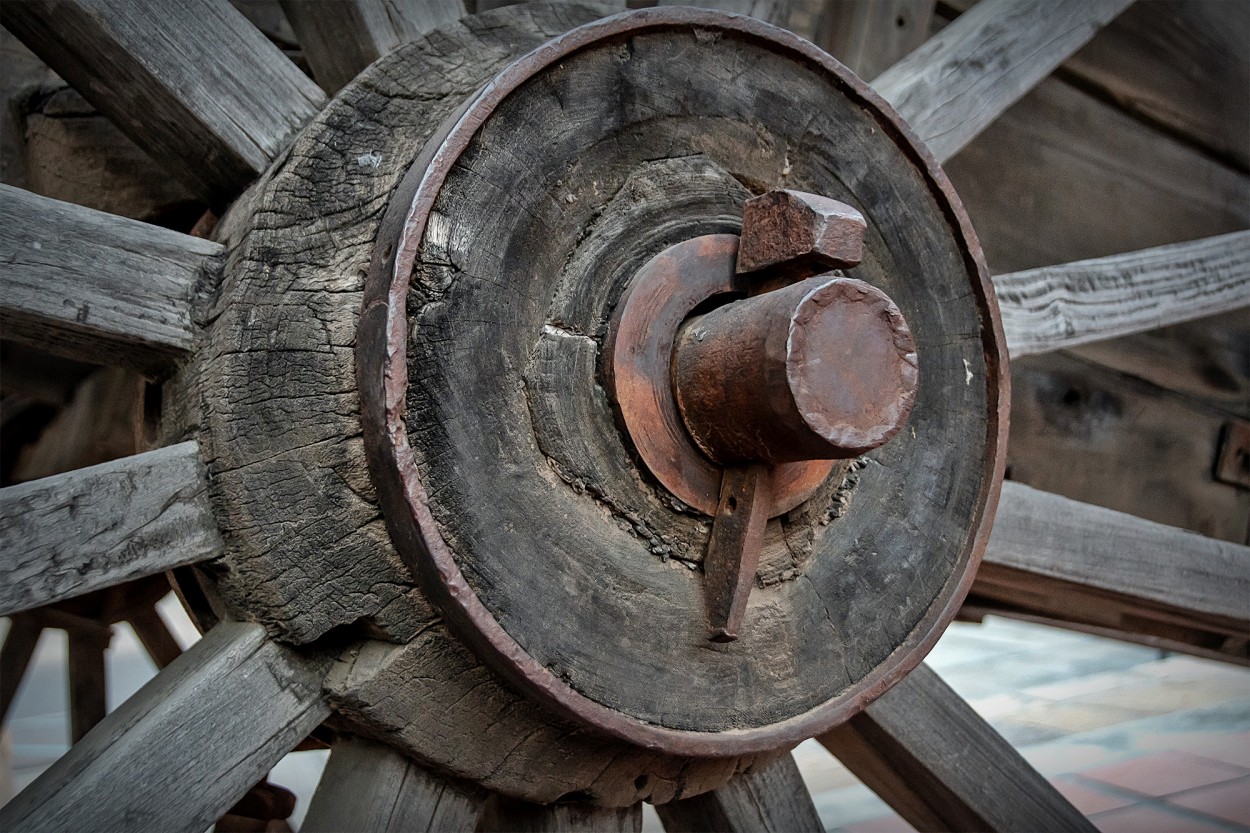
(96, 287)
(871, 37)
(1055, 307)
(772, 799)
(19, 647)
(194, 84)
(505, 815)
(942, 768)
(1051, 557)
(187, 746)
(342, 37)
(154, 635)
(371, 788)
(88, 696)
(951, 88)
(96, 527)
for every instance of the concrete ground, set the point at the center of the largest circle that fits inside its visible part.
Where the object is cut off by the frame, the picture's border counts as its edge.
(1138, 740)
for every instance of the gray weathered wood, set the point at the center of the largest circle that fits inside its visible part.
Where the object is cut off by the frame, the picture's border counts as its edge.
(370, 787)
(1179, 65)
(1053, 307)
(189, 744)
(102, 422)
(194, 84)
(1052, 555)
(869, 36)
(771, 799)
(84, 530)
(951, 88)
(342, 37)
(933, 759)
(674, 174)
(505, 815)
(88, 699)
(15, 655)
(1101, 437)
(75, 153)
(97, 287)
(1208, 359)
(281, 369)
(776, 12)
(1064, 176)
(154, 635)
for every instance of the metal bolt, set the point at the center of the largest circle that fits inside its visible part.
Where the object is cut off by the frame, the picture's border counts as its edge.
(820, 368)
(793, 231)
(823, 369)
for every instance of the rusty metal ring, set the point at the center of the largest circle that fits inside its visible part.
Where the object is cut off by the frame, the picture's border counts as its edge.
(638, 356)
(382, 376)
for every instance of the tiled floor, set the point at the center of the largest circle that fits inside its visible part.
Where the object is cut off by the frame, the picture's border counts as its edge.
(1138, 741)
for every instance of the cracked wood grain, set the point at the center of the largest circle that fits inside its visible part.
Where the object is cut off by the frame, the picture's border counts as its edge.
(964, 77)
(1053, 557)
(273, 388)
(96, 287)
(342, 37)
(187, 746)
(770, 799)
(196, 85)
(1055, 307)
(505, 815)
(474, 727)
(84, 530)
(370, 787)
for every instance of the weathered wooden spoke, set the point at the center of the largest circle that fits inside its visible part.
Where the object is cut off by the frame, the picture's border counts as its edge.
(96, 287)
(210, 97)
(88, 697)
(407, 356)
(871, 37)
(15, 655)
(342, 37)
(187, 746)
(154, 635)
(505, 815)
(72, 533)
(1055, 307)
(1069, 562)
(943, 768)
(369, 787)
(771, 799)
(962, 78)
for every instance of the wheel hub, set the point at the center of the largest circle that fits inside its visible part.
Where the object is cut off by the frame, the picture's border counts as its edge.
(414, 355)
(533, 598)
(768, 386)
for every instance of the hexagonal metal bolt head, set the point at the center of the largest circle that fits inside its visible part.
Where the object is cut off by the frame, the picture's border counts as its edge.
(794, 231)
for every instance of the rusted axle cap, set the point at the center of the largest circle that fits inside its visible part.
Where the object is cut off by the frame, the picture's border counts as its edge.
(822, 369)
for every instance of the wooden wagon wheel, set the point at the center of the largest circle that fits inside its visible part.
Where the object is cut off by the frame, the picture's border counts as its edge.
(402, 409)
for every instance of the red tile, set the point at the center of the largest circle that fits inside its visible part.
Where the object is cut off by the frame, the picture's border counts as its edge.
(1090, 798)
(1147, 818)
(1229, 801)
(1232, 749)
(885, 824)
(1164, 773)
